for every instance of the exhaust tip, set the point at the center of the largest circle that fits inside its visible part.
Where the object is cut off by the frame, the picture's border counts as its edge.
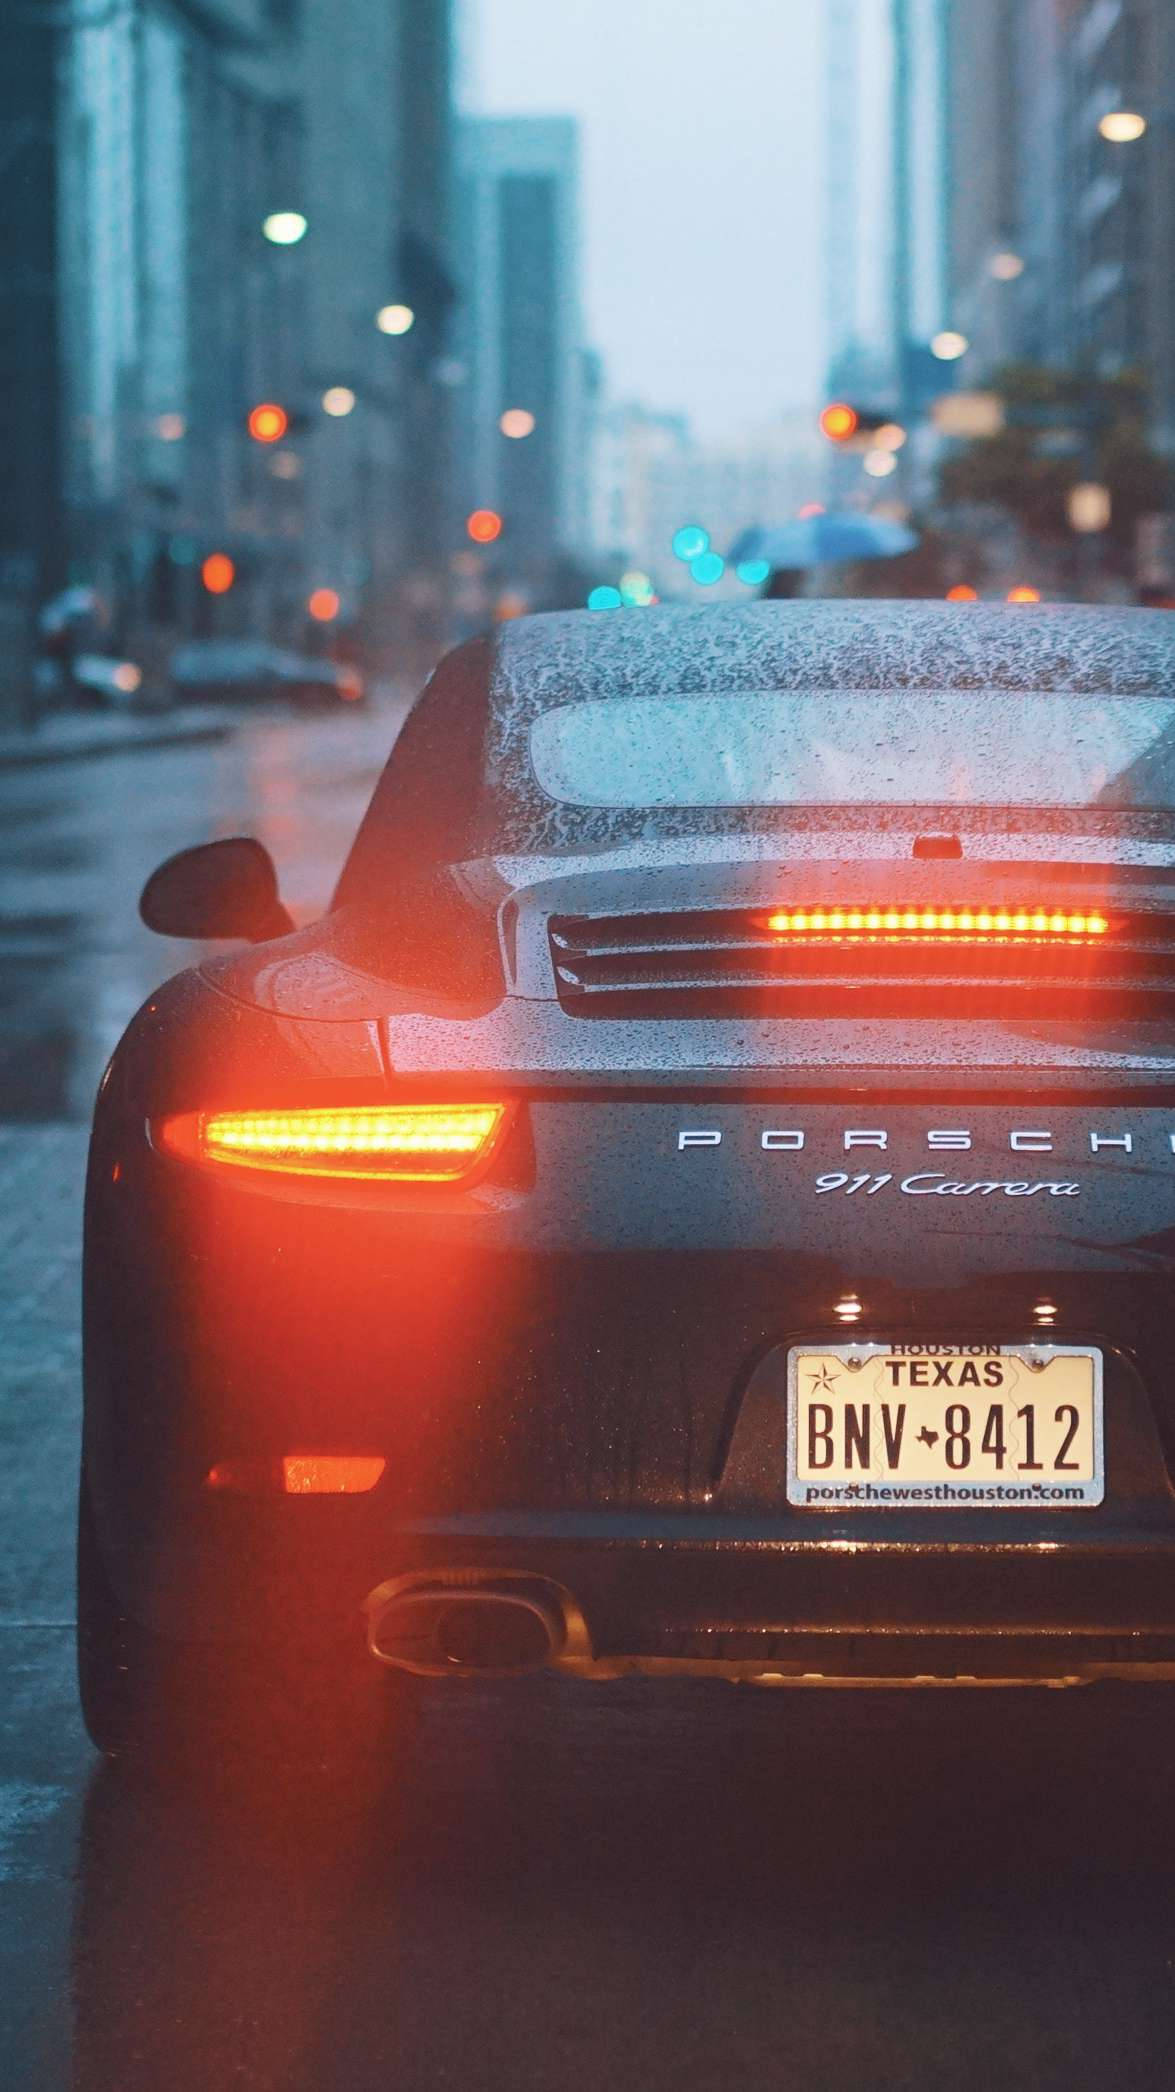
(490, 1633)
(476, 1630)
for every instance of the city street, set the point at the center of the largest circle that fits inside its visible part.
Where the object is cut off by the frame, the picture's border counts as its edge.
(545, 1887)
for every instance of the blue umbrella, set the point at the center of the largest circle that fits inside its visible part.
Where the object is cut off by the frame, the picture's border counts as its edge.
(824, 541)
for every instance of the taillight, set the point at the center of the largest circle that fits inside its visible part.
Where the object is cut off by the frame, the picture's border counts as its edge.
(409, 1143)
(934, 925)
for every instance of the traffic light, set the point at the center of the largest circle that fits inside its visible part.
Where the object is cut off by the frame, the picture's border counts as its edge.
(268, 422)
(218, 573)
(483, 526)
(851, 427)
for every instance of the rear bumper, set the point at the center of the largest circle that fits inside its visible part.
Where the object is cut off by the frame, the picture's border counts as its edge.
(655, 1597)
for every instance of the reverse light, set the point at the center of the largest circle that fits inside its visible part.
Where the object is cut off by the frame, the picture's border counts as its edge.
(410, 1143)
(929, 925)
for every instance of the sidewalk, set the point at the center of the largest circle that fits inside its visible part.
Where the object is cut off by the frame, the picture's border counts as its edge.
(63, 737)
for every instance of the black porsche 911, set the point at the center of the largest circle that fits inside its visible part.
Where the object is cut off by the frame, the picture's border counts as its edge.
(702, 1200)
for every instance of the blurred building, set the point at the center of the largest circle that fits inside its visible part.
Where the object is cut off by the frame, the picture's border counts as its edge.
(169, 134)
(886, 207)
(639, 468)
(1062, 242)
(650, 478)
(520, 342)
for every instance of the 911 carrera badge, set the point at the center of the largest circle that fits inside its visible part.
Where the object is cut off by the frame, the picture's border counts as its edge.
(1099, 1143)
(931, 1183)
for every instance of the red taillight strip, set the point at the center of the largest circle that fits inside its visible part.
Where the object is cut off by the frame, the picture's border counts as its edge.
(411, 1143)
(930, 925)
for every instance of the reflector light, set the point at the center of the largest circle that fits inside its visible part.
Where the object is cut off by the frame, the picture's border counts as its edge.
(299, 1474)
(414, 1143)
(331, 1474)
(930, 925)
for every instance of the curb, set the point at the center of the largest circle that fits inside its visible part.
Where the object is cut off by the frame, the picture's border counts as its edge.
(35, 754)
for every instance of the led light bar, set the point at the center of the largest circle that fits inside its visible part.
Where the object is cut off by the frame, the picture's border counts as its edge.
(935, 925)
(411, 1143)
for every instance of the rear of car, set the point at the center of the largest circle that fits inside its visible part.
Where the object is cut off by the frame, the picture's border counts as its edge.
(702, 1200)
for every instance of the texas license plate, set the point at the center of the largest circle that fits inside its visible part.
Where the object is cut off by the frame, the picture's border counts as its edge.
(944, 1427)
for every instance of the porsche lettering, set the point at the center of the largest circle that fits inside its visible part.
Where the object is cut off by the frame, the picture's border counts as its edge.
(1020, 1140)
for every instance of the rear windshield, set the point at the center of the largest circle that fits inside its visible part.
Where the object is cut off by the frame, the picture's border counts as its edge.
(1037, 749)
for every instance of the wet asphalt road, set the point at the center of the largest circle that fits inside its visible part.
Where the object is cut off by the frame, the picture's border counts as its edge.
(696, 1888)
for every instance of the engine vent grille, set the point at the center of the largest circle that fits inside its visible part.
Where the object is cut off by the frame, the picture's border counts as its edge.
(998, 960)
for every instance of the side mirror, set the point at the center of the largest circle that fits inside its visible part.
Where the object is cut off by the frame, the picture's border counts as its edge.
(224, 889)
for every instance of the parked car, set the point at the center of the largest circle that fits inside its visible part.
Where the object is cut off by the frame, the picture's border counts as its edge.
(209, 671)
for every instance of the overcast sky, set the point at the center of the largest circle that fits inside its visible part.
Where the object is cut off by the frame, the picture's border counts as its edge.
(702, 186)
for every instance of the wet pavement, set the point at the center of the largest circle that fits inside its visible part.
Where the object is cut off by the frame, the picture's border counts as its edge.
(535, 1888)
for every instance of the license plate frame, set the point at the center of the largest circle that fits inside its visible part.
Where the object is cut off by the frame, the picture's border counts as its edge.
(923, 1479)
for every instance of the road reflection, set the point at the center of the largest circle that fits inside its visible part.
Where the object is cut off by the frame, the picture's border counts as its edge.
(79, 840)
(649, 1888)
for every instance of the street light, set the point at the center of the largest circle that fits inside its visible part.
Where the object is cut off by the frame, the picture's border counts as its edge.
(1091, 508)
(395, 319)
(949, 345)
(1123, 126)
(284, 228)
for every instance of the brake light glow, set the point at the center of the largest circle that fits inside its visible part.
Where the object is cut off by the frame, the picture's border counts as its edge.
(299, 1474)
(412, 1143)
(933, 925)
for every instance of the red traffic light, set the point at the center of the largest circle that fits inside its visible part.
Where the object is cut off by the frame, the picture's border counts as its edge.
(484, 525)
(839, 422)
(268, 422)
(218, 573)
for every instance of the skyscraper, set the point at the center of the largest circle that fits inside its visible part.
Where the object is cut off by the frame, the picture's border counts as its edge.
(521, 334)
(173, 131)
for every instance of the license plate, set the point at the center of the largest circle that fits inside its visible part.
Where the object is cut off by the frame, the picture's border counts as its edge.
(944, 1427)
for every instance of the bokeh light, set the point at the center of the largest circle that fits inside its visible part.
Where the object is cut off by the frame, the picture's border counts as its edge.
(962, 592)
(604, 598)
(268, 422)
(284, 228)
(395, 319)
(1122, 126)
(753, 572)
(338, 400)
(636, 587)
(690, 542)
(949, 345)
(218, 573)
(707, 568)
(324, 605)
(517, 422)
(839, 421)
(483, 526)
